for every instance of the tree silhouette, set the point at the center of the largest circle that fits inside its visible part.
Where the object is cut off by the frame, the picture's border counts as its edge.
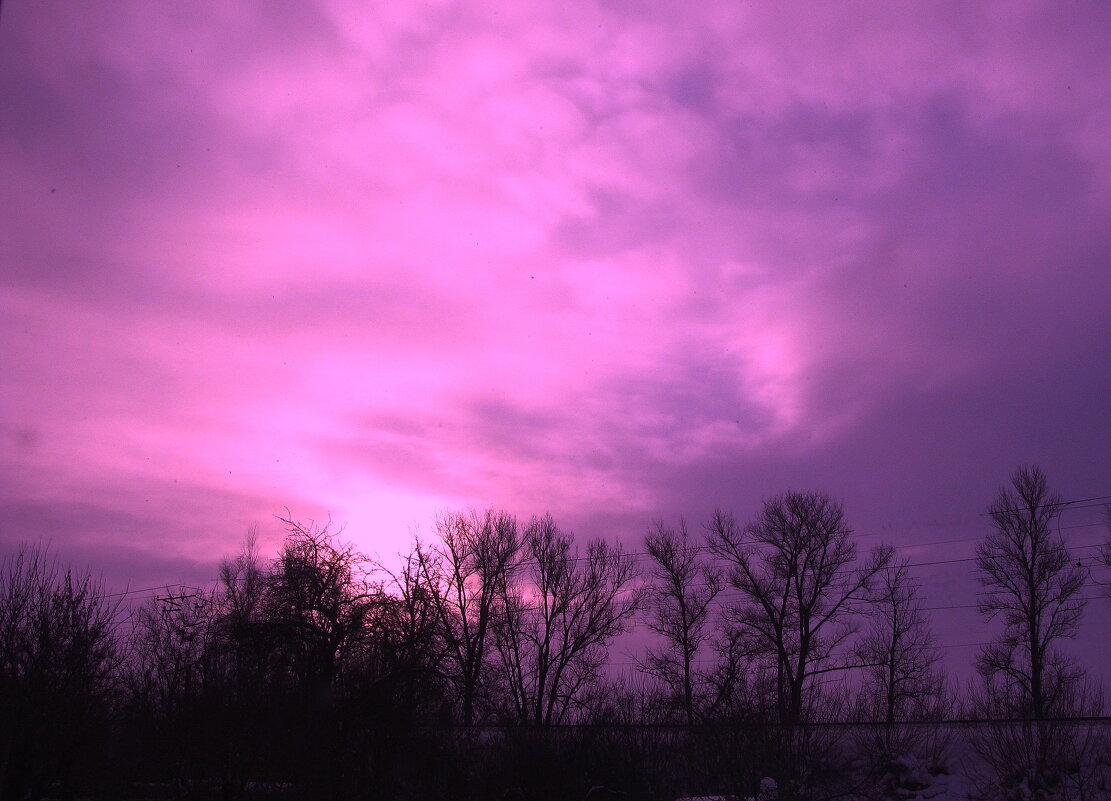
(59, 653)
(795, 563)
(902, 678)
(558, 615)
(680, 604)
(1032, 582)
(463, 574)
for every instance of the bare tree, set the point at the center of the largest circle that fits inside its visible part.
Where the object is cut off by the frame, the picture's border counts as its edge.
(58, 658)
(903, 681)
(557, 618)
(417, 613)
(680, 602)
(463, 575)
(242, 585)
(336, 631)
(319, 601)
(1032, 582)
(1062, 758)
(176, 680)
(742, 683)
(795, 563)
(238, 626)
(169, 643)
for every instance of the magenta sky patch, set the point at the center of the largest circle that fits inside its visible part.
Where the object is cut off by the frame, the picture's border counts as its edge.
(616, 261)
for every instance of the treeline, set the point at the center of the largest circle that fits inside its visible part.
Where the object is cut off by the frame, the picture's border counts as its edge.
(319, 673)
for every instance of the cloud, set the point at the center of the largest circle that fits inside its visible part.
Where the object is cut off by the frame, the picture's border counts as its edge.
(614, 262)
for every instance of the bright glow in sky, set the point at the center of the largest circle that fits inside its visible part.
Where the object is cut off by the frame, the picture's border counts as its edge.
(616, 261)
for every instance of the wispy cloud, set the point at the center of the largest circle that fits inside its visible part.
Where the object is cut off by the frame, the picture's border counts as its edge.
(615, 261)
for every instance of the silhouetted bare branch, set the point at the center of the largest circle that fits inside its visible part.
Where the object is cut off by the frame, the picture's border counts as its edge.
(680, 602)
(1033, 585)
(795, 563)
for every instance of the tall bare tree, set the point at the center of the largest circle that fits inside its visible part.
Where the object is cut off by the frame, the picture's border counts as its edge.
(1032, 582)
(742, 683)
(417, 612)
(319, 601)
(903, 681)
(680, 601)
(463, 575)
(795, 563)
(59, 653)
(168, 648)
(557, 617)
(338, 631)
(242, 585)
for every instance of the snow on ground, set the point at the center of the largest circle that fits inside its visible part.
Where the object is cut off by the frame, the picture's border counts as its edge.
(941, 787)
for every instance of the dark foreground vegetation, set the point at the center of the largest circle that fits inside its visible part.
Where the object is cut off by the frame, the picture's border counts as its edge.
(784, 664)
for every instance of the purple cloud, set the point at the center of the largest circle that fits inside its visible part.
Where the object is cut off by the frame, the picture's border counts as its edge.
(620, 263)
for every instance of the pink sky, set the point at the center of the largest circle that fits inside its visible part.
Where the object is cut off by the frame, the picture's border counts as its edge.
(616, 261)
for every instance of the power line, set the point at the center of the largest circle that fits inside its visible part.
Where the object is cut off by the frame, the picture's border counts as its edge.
(1054, 504)
(174, 586)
